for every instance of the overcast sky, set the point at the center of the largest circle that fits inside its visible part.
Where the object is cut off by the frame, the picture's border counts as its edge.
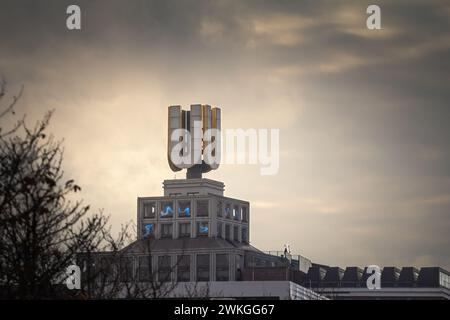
(363, 115)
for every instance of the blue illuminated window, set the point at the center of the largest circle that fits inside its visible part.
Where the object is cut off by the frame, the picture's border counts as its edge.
(184, 209)
(166, 209)
(202, 228)
(148, 229)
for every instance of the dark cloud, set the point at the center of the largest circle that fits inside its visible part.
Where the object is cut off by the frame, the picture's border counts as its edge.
(363, 114)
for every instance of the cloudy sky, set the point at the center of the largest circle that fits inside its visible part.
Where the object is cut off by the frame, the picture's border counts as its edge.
(363, 115)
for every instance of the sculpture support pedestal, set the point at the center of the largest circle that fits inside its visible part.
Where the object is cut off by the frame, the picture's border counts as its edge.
(183, 187)
(196, 171)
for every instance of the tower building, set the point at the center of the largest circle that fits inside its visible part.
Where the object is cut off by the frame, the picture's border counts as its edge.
(194, 236)
(193, 229)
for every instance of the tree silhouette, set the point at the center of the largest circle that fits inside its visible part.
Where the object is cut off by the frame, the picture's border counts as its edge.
(41, 229)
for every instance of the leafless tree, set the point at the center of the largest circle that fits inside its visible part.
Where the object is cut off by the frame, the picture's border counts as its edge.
(41, 229)
(7, 110)
(110, 274)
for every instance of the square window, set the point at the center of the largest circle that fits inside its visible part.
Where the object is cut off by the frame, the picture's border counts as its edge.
(147, 230)
(203, 267)
(145, 268)
(202, 208)
(184, 268)
(184, 209)
(222, 267)
(184, 230)
(164, 269)
(244, 214)
(166, 230)
(236, 212)
(244, 235)
(236, 233)
(219, 230)
(202, 228)
(106, 269)
(227, 232)
(149, 209)
(228, 210)
(166, 209)
(219, 208)
(126, 269)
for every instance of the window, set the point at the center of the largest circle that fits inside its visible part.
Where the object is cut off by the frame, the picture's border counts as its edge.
(236, 212)
(202, 208)
(244, 235)
(202, 228)
(219, 208)
(145, 268)
(228, 210)
(238, 259)
(166, 209)
(105, 272)
(166, 230)
(149, 210)
(184, 230)
(104, 263)
(227, 232)
(84, 265)
(164, 268)
(84, 268)
(203, 267)
(244, 214)
(236, 233)
(446, 280)
(184, 209)
(222, 267)
(184, 268)
(109, 269)
(219, 229)
(126, 269)
(147, 230)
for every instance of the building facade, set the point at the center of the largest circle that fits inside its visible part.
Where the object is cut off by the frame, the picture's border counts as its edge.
(195, 241)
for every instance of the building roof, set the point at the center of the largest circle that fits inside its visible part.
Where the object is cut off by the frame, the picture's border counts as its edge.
(182, 244)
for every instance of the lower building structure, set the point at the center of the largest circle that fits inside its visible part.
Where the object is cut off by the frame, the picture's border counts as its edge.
(196, 241)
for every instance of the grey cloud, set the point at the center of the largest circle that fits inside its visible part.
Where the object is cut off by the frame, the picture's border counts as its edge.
(363, 117)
